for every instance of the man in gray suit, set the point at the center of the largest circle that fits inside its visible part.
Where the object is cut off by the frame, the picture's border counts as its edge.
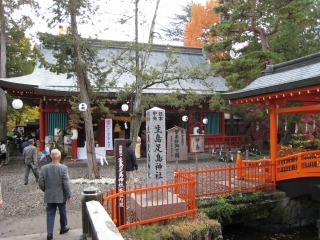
(54, 182)
(30, 161)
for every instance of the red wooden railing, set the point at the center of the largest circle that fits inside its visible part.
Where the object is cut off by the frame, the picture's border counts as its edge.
(304, 164)
(223, 141)
(147, 204)
(231, 178)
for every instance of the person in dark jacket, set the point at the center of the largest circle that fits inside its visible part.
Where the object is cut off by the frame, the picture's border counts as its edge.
(54, 182)
(24, 144)
(131, 163)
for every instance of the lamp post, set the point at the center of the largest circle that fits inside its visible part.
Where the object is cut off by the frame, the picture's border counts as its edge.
(83, 107)
(124, 107)
(185, 118)
(17, 104)
(205, 122)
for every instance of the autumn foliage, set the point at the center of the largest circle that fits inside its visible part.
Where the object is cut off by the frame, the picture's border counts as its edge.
(197, 31)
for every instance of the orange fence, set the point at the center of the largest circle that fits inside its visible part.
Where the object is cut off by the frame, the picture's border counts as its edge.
(223, 141)
(146, 204)
(221, 180)
(304, 164)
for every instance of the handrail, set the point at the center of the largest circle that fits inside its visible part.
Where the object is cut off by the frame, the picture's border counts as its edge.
(221, 180)
(244, 175)
(224, 141)
(100, 225)
(304, 164)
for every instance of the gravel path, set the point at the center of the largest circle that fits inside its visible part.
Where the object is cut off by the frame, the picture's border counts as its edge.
(25, 202)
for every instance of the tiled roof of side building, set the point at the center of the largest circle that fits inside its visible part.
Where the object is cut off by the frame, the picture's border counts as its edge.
(301, 72)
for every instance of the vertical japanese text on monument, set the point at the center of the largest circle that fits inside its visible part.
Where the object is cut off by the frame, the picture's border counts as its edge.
(121, 178)
(156, 145)
(108, 134)
(176, 144)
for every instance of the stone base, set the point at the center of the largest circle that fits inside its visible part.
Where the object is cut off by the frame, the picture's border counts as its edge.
(147, 208)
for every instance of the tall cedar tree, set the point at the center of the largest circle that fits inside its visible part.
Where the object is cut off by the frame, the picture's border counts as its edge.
(197, 31)
(176, 28)
(7, 21)
(255, 33)
(252, 25)
(75, 57)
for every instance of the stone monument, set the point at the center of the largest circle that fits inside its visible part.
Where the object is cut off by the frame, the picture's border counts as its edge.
(159, 202)
(156, 146)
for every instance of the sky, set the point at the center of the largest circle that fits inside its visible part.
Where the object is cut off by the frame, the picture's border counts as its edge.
(106, 26)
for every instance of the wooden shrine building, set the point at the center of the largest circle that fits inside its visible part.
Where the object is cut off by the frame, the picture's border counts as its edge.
(52, 93)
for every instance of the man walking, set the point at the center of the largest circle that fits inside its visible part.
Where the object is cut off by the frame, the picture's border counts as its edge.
(54, 182)
(131, 163)
(30, 160)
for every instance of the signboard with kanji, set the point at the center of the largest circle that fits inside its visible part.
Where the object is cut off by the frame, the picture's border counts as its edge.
(120, 162)
(156, 145)
(196, 143)
(177, 144)
(108, 134)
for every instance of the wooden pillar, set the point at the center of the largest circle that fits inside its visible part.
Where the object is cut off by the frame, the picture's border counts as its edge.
(46, 131)
(273, 132)
(101, 134)
(74, 147)
(41, 126)
(223, 123)
(189, 127)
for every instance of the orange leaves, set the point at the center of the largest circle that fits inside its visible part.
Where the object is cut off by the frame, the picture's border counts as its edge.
(197, 31)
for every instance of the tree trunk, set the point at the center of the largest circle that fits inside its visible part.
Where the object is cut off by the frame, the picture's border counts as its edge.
(93, 171)
(151, 33)
(136, 113)
(3, 60)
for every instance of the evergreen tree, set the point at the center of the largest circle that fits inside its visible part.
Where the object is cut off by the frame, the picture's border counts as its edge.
(254, 33)
(7, 21)
(176, 28)
(20, 55)
(76, 57)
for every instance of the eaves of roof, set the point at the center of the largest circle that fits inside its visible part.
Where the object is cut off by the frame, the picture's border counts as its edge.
(299, 73)
(44, 82)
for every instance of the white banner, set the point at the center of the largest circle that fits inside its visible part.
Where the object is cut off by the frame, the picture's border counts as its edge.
(108, 134)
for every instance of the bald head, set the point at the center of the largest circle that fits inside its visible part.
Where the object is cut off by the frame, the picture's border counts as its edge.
(55, 155)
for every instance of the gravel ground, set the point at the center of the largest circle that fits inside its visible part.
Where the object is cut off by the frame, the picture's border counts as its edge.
(26, 201)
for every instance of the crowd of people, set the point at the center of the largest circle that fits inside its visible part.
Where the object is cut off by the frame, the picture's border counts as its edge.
(53, 178)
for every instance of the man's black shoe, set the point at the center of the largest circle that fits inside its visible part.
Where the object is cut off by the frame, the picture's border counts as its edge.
(25, 183)
(63, 231)
(49, 236)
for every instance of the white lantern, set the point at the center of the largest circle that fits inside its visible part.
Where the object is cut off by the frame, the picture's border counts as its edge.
(83, 107)
(205, 121)
(124, 107)
(17, 104)
(185, 118)
(74, 134)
